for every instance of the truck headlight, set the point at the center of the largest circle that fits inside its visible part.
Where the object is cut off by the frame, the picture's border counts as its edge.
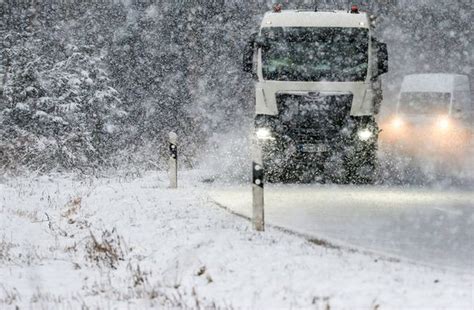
(365, 134)
(264, 134)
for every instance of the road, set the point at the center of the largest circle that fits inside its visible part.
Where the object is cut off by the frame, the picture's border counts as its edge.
(434, 227)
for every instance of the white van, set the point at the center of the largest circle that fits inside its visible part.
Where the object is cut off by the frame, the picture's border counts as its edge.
(436, 95)
(434, 115)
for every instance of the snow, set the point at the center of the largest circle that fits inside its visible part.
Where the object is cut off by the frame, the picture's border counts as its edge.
(21, 106)
(90, 87)
(176, 248)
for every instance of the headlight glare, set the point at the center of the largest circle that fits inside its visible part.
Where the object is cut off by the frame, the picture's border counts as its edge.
(264, 134)
(365, 134)
(443, 123)
(397, 123)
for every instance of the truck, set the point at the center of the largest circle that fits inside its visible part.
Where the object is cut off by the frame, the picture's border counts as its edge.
(317, 91)
(434, 118)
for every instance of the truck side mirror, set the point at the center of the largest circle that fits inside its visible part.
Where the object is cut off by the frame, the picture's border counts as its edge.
(261, 42)
(249, 50)
(382, 58)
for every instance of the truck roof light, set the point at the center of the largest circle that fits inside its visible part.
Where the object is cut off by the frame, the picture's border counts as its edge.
(354, 9)
(277, 8)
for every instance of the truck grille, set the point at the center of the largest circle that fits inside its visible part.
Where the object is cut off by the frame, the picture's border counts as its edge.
(313, 118)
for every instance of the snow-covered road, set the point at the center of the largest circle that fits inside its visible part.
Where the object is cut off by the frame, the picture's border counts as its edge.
(434, 227)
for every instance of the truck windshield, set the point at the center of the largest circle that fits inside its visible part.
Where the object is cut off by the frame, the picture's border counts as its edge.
(422, 103)
(315, 54)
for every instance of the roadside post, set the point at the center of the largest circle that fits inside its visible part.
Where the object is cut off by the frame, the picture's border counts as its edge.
(173, 161)
(258, 173)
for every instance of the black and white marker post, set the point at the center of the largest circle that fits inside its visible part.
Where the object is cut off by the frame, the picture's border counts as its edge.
(258, 219)
(173, 161)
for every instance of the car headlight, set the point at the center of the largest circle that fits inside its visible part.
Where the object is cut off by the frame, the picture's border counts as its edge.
(264, 134)
(443, 123)
(397, 123)
(365, 134)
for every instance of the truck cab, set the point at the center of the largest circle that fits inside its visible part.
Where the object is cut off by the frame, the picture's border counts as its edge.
(317, 91)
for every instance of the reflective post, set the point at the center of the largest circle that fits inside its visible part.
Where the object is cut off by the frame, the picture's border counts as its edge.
(173, 161)
(258, 220)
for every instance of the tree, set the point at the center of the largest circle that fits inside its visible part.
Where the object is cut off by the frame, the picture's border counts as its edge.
(59, 109)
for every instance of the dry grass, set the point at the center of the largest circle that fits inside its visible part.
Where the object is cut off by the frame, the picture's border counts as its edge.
(40, 297)
(32, 216)
(72, 207)
(9, 296)
(5, 247)
(108, 251)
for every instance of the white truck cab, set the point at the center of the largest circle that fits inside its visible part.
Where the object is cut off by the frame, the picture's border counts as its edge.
(318, 88)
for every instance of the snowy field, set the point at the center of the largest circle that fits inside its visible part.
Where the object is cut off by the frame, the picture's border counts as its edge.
(132, 243)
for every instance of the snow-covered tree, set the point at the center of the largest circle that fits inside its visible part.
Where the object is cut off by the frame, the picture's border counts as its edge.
(58, 108)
